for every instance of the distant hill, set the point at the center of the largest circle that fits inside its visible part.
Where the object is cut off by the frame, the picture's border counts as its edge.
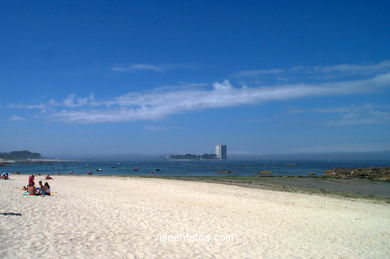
(20, 155)
(193, 157)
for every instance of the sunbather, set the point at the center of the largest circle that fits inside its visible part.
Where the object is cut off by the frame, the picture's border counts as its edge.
(31, 190)
(41, 187)
(46, 189)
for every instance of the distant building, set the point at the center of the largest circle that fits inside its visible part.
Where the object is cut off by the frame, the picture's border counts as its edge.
(221, 151)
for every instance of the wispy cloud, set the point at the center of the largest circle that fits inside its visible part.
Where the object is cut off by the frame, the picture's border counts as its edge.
(381, 67)
(363, 117)
(24, 106)
(366, 114)
(153, 68)
(258, 72)
(139, 67)
(182, 86)
(17, 118)
(73, 101)
(341, 69)
(160, 103)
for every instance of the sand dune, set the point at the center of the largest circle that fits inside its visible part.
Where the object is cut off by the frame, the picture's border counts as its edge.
(108, 217)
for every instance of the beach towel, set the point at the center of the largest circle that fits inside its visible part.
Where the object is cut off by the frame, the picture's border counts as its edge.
(26, 194)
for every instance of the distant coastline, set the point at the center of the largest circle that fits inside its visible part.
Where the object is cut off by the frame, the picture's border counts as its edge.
(32, 161)
(192, 157)
(20, 155)
(25, 157)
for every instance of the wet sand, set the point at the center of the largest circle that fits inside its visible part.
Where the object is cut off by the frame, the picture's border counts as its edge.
(358, 188)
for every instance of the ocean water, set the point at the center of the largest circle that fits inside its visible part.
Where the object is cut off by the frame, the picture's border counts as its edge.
(187, 168)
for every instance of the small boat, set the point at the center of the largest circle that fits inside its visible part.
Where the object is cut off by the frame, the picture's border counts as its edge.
(98, 170)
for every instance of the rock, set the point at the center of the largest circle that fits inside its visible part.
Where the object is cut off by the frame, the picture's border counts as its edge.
(372, 173)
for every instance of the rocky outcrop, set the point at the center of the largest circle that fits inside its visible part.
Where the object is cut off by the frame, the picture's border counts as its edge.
(372, 173)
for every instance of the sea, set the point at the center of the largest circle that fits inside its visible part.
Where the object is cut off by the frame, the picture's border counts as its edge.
(168, 168)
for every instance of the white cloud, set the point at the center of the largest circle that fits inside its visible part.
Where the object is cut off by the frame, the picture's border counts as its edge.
(257, 72)
(73, 101)
(155, 68)
(139, 67)
(22, 106)
(182, 85)
(350, 68)
(366, 114)
(336, 70)
(362, 117)
(161, 103)
(17, 118)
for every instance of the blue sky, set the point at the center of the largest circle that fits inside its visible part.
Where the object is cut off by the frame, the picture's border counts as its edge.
(155, 77)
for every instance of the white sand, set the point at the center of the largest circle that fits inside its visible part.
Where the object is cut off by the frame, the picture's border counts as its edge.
(108, 217)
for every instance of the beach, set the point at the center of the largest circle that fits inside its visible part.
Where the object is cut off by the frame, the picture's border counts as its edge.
(130, 217)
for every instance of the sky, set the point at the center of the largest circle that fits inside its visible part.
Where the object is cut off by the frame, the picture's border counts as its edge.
(86, 78)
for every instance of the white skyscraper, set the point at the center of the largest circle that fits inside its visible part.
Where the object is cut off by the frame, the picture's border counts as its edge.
(221, 151)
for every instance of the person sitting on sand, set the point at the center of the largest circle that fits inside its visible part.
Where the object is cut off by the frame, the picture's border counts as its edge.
(46, 189)
(31, 189)
(48, 177)
(40, 188)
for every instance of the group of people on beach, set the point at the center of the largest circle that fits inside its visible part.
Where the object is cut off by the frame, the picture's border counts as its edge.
(43, 189)
(4, 176)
